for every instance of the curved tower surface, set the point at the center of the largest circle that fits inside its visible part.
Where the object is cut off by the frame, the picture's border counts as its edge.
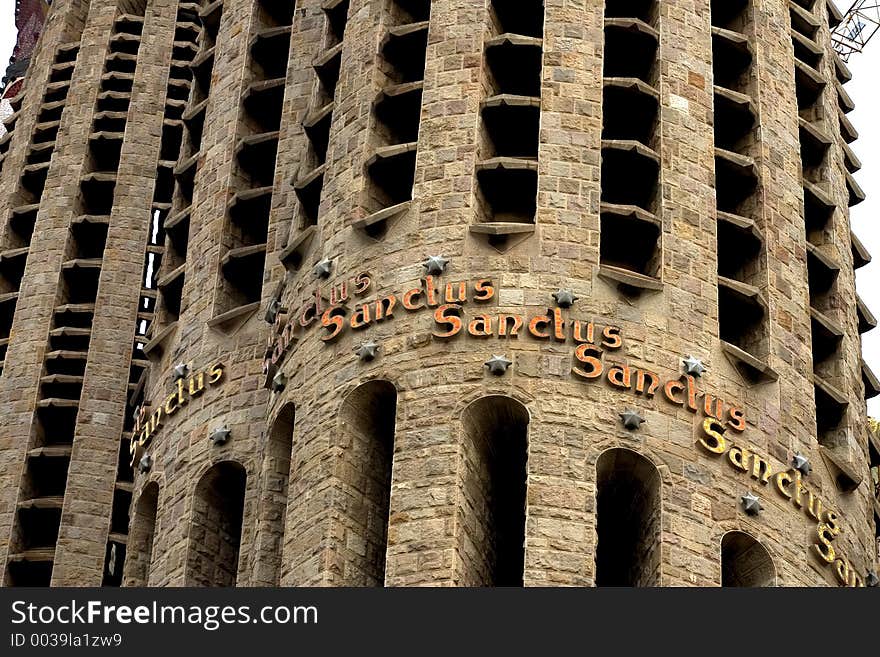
(459, 293)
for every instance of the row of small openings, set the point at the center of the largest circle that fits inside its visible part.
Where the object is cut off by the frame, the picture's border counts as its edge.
(98, 183)
(390, 168)
(630, 238)
(186, 33)
(309, 183)
(70, 334)
(54, 100)
(17, 241)
(742, 310)
(44, 480)
(510, 113)
(819, 218)
(852, 164)
(173, 218)
(247, 225)
(45, 474)
(9, 126)
(494, 480)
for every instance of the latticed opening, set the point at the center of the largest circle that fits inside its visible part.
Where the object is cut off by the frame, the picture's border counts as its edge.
(514, 66)
(627, 520)
(525, 17)
(630, 111)
(630, 241)
(730, 14)
(45, 474)
(741, 315)
(630, 175)
(337, 19)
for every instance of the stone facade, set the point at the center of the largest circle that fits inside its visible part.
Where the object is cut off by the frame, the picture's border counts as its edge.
(322, 403)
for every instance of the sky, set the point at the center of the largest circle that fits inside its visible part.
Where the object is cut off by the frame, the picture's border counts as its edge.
(865, 218)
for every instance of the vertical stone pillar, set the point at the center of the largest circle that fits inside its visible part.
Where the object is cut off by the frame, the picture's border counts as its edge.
(202, 345)
(20, 381)
(565, 248)
(689, 270)
(85, 519)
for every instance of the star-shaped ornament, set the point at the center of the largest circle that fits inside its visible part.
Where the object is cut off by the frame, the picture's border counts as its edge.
(220, 436)
(751, 504)
(632, 420)
(279, 382)
(435, 265)
(564, 298)
(181, 371)
(272, 311)
(323, 269)
(367, 351)
(802, 464)
(694, 366)
(498, 365)
(145, 464)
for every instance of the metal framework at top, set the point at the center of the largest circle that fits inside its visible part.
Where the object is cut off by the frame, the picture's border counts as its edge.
(857, 28)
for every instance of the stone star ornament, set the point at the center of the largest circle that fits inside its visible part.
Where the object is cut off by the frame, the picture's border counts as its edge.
(802, 464)
(145, 464)
(631, 420)
(323, 269)
(435, 265)
(564, 298)
(272, 311)
(367, 351)
(220, 436)
(498, 365)
(694, 366)
(181, 371)
(751, 504)
(279, 382)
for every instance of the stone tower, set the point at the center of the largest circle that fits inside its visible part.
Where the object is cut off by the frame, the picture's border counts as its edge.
(450, 292)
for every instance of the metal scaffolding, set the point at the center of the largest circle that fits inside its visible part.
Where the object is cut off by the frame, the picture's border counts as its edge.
(857, 28)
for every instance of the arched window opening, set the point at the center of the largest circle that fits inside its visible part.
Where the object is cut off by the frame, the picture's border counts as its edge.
(215, 535)
(140, 541)
(367, 432)
(628, 520)
(274, 503)
(495, 457)
(745, 562)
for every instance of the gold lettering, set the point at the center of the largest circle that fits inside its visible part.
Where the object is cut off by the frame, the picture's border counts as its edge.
(739, 457)
(714, 431)
(761, 469)
(170, 407)
(782, 482)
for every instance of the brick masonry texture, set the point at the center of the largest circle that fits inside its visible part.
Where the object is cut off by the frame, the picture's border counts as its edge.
(391, 471)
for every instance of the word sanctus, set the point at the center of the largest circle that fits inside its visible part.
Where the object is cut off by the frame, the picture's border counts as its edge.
(681, 391)
(790, 486)
(447, 301)
(145, 429)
